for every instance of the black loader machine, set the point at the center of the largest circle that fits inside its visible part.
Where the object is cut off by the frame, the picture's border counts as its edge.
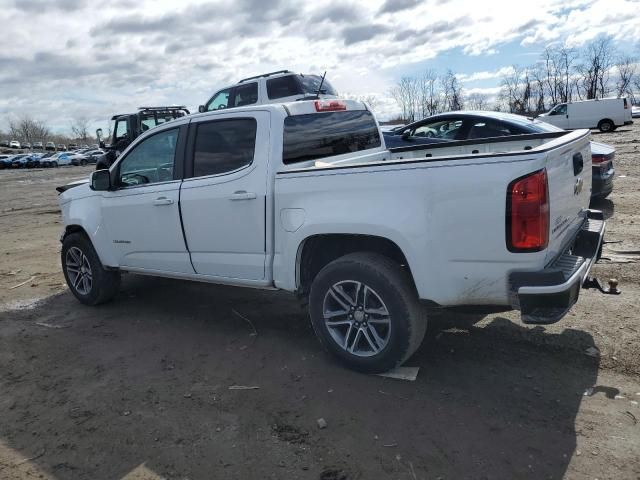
(128, 126)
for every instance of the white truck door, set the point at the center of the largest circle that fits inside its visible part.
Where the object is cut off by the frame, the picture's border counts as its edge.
(223, 196)
(142, 214)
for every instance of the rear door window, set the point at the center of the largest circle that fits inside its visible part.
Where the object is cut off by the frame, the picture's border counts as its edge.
(283, 87)
(488, 129)
(223, 146)
(320, 135)
(245, 94)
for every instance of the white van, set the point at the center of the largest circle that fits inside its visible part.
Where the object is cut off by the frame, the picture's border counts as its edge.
(606, 114)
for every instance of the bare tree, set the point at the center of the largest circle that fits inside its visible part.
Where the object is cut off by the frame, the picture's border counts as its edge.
(405, 93)
(517, 90)
(452, 92)
(370, 100)
(477, 101)
(595, 68)
(80, 128)
(26, 129)
(429, 94)
(627, 72)
(538, 76)
(558, 65)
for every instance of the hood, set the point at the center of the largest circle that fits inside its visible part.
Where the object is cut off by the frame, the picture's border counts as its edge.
(74, 184)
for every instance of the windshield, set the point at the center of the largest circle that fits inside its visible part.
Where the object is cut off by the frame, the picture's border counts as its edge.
(311, 83)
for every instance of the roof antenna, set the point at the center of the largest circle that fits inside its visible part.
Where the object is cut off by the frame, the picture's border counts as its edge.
(320, 86)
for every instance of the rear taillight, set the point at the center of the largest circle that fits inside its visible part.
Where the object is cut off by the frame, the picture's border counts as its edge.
(598, 159)
(330, 105)
(528, 213)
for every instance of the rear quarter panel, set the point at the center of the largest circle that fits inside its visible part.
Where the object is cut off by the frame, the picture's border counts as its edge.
(447, 217)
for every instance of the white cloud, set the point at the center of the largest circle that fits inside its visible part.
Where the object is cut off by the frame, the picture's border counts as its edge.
(484, 75)
(83, 57)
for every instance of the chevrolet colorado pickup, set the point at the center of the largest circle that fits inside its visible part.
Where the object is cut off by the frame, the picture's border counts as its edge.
(305, 197)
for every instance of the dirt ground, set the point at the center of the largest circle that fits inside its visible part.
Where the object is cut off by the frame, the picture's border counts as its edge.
(140, 388)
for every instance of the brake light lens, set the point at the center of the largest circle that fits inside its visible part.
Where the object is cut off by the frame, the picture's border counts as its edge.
(528, 213)
(597, 158)
(330, 105)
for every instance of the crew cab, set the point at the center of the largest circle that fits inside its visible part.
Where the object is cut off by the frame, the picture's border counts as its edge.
(305, 197)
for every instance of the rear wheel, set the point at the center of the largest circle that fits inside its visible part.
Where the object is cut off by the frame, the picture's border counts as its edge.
(606, 125)
(54, 164)
(87, 279)
(83, 162)
(365, 311)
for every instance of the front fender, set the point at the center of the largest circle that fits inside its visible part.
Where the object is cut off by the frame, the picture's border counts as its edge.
(86, 213)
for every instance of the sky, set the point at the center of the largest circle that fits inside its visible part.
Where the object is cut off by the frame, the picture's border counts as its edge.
(65, 59)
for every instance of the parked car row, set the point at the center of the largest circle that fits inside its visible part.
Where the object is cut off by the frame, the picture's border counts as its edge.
(50, 159)
(50, 146)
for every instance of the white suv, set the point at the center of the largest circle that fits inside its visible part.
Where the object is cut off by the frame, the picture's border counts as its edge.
(275, 87)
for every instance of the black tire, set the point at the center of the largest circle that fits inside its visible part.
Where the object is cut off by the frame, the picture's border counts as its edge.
(54, 164)
(606, 125)
(393, 287)
(104, 283)
(83, 163)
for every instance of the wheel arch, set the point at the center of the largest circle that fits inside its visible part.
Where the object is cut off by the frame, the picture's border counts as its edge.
(613, 124)
(316, 251)
(69, 229)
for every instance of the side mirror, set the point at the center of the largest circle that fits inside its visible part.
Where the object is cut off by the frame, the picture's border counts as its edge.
(406, 134)
(201, 109)
(101, 180)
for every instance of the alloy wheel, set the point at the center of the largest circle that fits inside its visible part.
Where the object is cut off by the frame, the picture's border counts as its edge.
(356, 317)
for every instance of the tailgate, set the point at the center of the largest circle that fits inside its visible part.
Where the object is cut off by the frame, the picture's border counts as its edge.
(569, 176)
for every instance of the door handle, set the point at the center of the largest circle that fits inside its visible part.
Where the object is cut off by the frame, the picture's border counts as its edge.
(243, 195)
(162, 201)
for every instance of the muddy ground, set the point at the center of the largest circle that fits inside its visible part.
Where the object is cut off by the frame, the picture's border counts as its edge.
(140, 388)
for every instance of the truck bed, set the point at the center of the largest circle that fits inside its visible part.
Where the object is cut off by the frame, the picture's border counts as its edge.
(443, 205)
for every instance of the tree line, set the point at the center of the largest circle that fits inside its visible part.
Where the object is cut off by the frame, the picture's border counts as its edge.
(428, 94)
(564, 74)
(561, 74)
(27, 129)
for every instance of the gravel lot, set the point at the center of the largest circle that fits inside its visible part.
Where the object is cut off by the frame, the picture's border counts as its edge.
(139, 388)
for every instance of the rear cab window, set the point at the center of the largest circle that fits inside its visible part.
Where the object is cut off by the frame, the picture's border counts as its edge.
(291, 85)
(321, 135)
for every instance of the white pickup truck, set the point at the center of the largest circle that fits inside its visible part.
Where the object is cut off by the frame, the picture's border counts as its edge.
(305, 197)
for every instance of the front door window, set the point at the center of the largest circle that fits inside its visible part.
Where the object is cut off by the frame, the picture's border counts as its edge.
(151, 161)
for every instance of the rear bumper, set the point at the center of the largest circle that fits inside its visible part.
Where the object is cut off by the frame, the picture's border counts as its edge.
(546, 296)
(602, 185)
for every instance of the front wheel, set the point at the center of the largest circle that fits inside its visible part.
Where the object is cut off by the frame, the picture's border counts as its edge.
(83, 163)
(54, 164)
(365, 311)
(87, 279)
